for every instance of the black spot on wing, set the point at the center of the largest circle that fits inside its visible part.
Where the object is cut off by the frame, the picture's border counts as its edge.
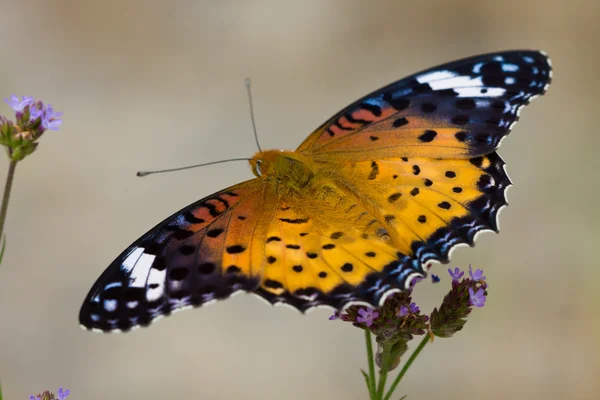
(295, 220)
(374, 171)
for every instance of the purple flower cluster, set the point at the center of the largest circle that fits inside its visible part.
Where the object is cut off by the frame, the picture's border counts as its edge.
(477, 295)
(60, 395)
(49, 119)
(399, 318)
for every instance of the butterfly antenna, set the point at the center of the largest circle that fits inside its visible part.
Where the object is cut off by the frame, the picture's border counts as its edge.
(146, 173)
(249, 90)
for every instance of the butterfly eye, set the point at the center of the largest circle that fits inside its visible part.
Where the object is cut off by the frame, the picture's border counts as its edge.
(257, 169)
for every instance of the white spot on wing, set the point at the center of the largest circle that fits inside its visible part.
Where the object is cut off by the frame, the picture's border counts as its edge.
(141, 270)
(130, 261)
(510, 67)
(156, 277)
(132, 304)
(434, 76)
(476, 92)
(456, 82)
(110, 305)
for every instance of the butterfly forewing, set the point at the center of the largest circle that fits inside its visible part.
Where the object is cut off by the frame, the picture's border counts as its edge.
(458, 110)
(204, 252)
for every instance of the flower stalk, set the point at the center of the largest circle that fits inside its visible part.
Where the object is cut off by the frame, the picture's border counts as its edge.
(7, 188)
(399, 319)
(371, 377)
(20, 139)
(406, 366)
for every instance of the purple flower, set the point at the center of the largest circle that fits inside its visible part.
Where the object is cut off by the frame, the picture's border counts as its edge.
(435, 278)
(477, 299)
(36, 110)
(51, 119)
(403, 311)
(336, 315)
(34, 398)
(19, 105)
(414, 308)
(456, 275)
(367, 315)
(478, 275)
(63, 395)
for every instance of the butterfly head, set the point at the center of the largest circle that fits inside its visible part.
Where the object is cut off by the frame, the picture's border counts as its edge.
(288, 166)
(266, 163)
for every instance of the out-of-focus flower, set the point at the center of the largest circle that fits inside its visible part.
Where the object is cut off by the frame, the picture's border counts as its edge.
(435, 278)
(403, 311)
(456, 274)
(19, 105)
(32, 119)
(336, 315)
(477, 275)
(367, 316)
(47, 395)
(36, 110)
(477, 299)
(414, 308)
(62, 395)
(51, 119)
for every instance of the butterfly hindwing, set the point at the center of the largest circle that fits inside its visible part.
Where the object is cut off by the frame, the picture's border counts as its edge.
(457, 110)
(204, 252)
(327, 249)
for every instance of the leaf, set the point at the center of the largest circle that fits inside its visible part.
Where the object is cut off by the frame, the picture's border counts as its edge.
(367, 382)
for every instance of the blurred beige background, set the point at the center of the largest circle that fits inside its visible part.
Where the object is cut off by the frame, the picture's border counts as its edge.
(153, 84)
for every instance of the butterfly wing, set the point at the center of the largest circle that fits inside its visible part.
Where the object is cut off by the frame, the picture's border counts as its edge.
(369, 227)
(457, 110)
(324, 248)
(205, 252)
(415, 170)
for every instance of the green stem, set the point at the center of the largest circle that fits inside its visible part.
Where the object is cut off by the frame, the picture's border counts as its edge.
(7, 187)
(383, 372)
(371, 364)
(406, 367)
(0, 391)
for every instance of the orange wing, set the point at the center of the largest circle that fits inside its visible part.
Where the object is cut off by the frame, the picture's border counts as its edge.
(204, 252)
(462, 109)
(369, 227)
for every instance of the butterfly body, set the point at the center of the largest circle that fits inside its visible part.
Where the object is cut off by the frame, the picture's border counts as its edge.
(392, 181)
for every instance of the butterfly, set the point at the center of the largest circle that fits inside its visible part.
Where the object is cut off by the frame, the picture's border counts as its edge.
(394, 180)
